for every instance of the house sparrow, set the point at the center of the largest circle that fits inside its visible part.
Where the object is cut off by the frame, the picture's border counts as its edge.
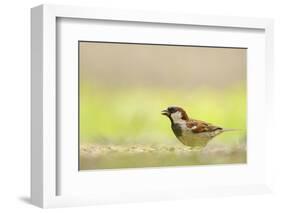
(191, 132)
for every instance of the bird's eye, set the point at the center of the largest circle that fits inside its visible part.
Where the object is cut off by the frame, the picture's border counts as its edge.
(172, 109)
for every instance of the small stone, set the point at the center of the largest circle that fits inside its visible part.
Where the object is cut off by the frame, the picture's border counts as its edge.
(172, 149)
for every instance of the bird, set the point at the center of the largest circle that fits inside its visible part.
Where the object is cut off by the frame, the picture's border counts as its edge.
(191, 132)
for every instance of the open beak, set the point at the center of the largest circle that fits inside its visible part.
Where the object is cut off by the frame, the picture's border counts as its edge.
(165, 112)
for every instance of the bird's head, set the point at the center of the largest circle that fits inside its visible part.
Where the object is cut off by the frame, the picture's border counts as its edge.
(176, 114)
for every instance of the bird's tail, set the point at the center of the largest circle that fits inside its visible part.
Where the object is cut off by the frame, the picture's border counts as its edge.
(229, 129)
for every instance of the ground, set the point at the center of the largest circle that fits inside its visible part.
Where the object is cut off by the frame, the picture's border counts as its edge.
(107, 156)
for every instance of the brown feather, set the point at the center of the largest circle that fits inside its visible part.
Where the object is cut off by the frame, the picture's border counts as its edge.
(201, 126)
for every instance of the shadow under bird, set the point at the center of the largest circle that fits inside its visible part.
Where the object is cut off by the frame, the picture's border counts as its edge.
(192, 133)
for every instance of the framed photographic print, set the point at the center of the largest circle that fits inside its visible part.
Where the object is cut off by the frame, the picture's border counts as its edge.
(132, 106)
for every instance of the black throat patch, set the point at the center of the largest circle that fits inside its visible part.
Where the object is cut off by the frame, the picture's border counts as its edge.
(177, 129)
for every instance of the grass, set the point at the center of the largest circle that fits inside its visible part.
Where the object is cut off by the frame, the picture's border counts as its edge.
(128, 115)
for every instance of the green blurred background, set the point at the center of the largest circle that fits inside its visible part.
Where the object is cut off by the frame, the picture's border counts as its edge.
(124, 87)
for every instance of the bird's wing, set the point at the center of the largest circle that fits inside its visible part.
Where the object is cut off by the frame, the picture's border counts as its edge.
(197, 126)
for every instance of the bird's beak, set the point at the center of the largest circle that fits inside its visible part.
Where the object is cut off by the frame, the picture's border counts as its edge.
(165, 112)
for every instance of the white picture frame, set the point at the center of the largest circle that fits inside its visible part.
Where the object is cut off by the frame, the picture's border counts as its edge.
(46, 161)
